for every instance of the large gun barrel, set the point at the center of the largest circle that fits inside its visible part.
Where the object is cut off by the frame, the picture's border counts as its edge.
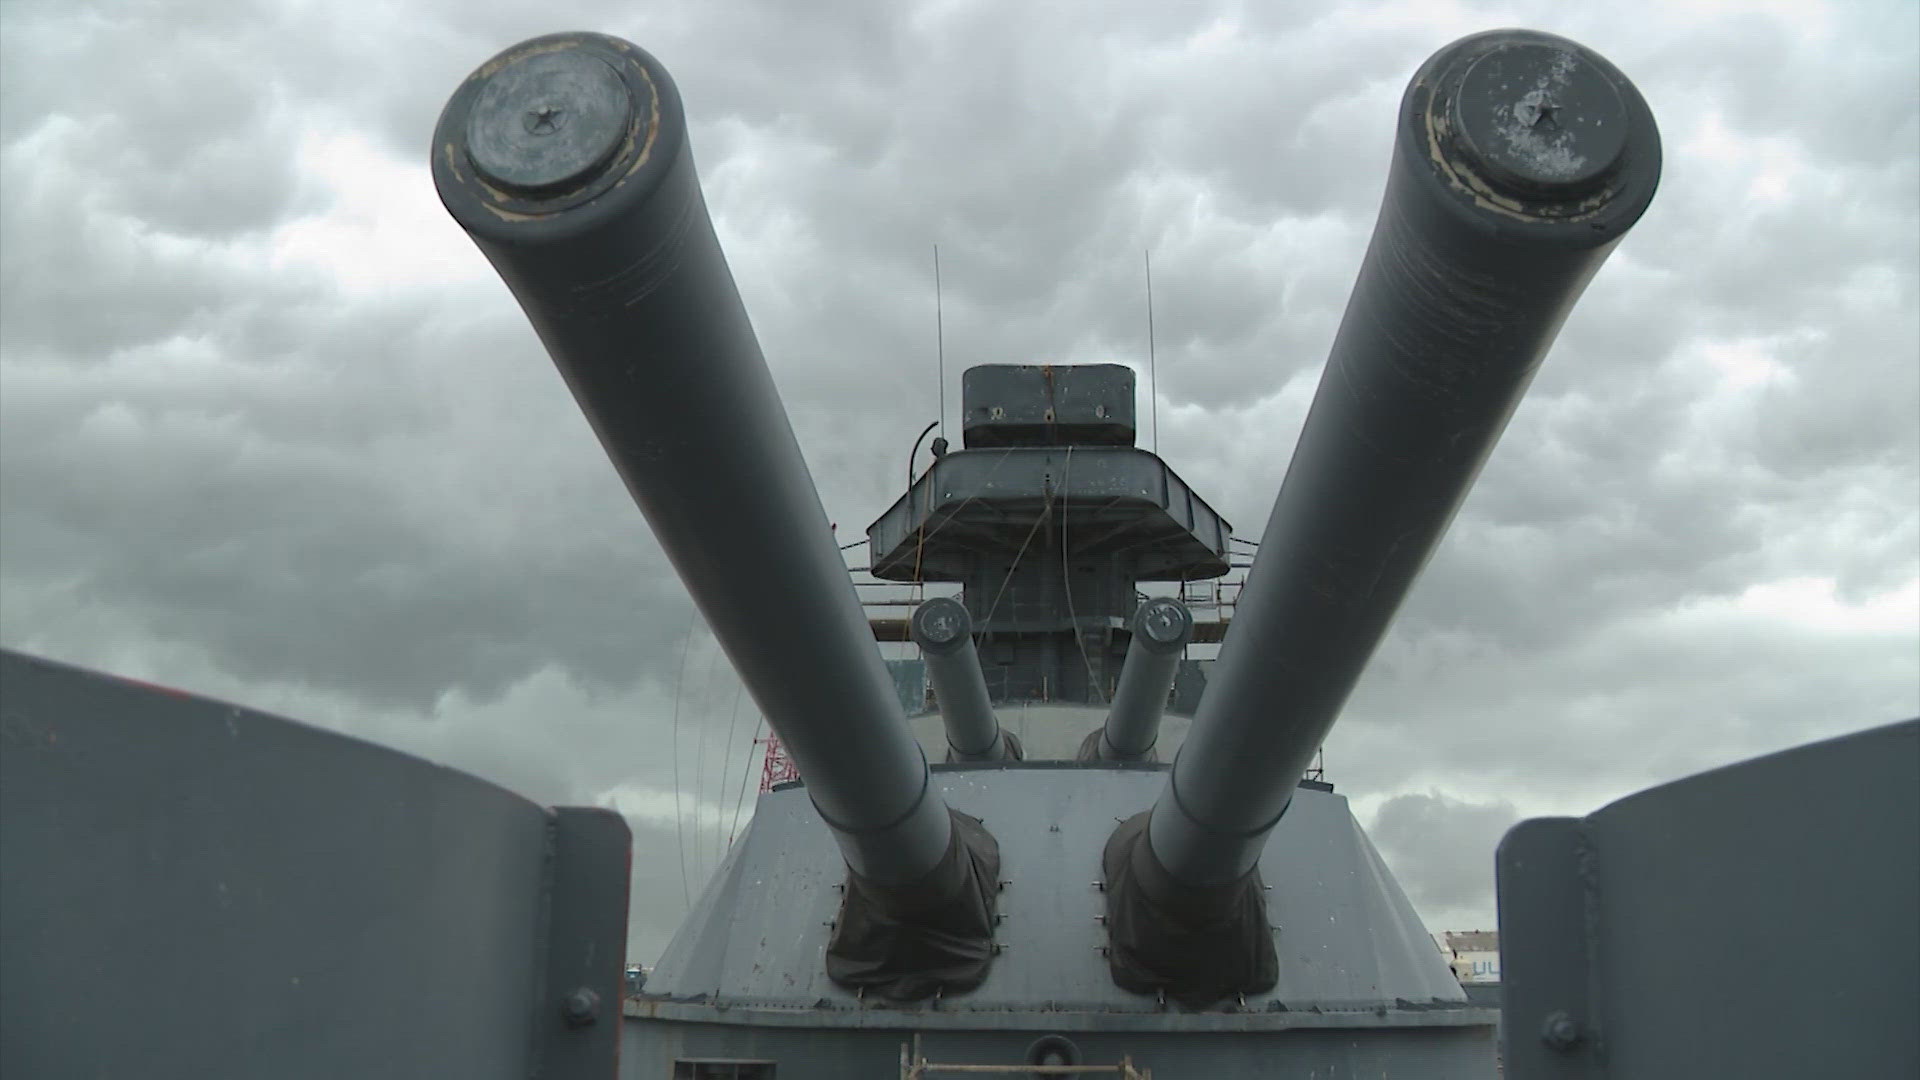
(1521, 159)
(566, 160)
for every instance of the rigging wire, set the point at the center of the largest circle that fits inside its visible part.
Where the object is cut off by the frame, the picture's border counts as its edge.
(733, 721)
(985, 483)
(995, 606)
(700, 756)
(733, 830)
(679, 824)
(1066, 578)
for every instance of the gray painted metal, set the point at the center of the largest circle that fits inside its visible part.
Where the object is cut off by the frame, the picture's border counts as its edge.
(1432, 1052)
(1349, 940)
(1758, 920)
(1046, 732)
(744, 978)
(1161, 629)
(633, 299)
(588, 855)
(197, 890)
(1047, 404)
(944, 632)
(1459, 297)
(910, 683)
(1126, 502)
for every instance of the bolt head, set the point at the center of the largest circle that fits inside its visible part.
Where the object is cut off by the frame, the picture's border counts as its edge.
(1560, 1031)
(581, 1006)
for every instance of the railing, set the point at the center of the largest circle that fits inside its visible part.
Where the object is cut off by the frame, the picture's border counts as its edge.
(914, 1065)
(888, 604)
(1213, 603)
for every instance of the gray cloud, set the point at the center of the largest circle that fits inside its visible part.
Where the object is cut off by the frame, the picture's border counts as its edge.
(1426, 838)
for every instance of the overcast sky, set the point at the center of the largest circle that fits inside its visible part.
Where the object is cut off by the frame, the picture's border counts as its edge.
(271, 430)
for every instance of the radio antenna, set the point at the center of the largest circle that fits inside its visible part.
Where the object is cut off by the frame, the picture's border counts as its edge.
(1153, 380)
(940, 340)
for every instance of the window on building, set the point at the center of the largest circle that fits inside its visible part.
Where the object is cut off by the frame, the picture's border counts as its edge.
(721, 1069)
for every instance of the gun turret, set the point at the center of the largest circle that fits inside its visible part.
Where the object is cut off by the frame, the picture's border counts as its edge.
(1521, 159)
(566, 160)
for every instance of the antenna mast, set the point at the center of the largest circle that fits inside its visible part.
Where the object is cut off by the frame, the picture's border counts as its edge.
(940, 340)
(1153, 379)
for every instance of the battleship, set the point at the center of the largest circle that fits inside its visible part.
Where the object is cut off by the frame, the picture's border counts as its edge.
(1052, 843)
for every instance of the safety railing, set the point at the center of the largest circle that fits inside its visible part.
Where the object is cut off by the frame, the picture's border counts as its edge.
(914, 1065)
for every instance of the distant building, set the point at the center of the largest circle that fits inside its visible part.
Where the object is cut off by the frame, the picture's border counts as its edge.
(1474, 954)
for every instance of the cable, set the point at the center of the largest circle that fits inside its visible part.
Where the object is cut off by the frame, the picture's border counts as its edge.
(1066, 577)
(700, 758)
(920, 547)
(679, 824)
(985, 482)
(995, 606)
(733, 830)
(915, 452)
(733, 721)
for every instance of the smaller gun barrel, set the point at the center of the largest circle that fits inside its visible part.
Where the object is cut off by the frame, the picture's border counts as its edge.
(944, 632)
(1161, 628)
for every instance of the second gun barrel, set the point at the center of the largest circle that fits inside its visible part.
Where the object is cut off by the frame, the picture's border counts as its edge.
(1520, 161)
